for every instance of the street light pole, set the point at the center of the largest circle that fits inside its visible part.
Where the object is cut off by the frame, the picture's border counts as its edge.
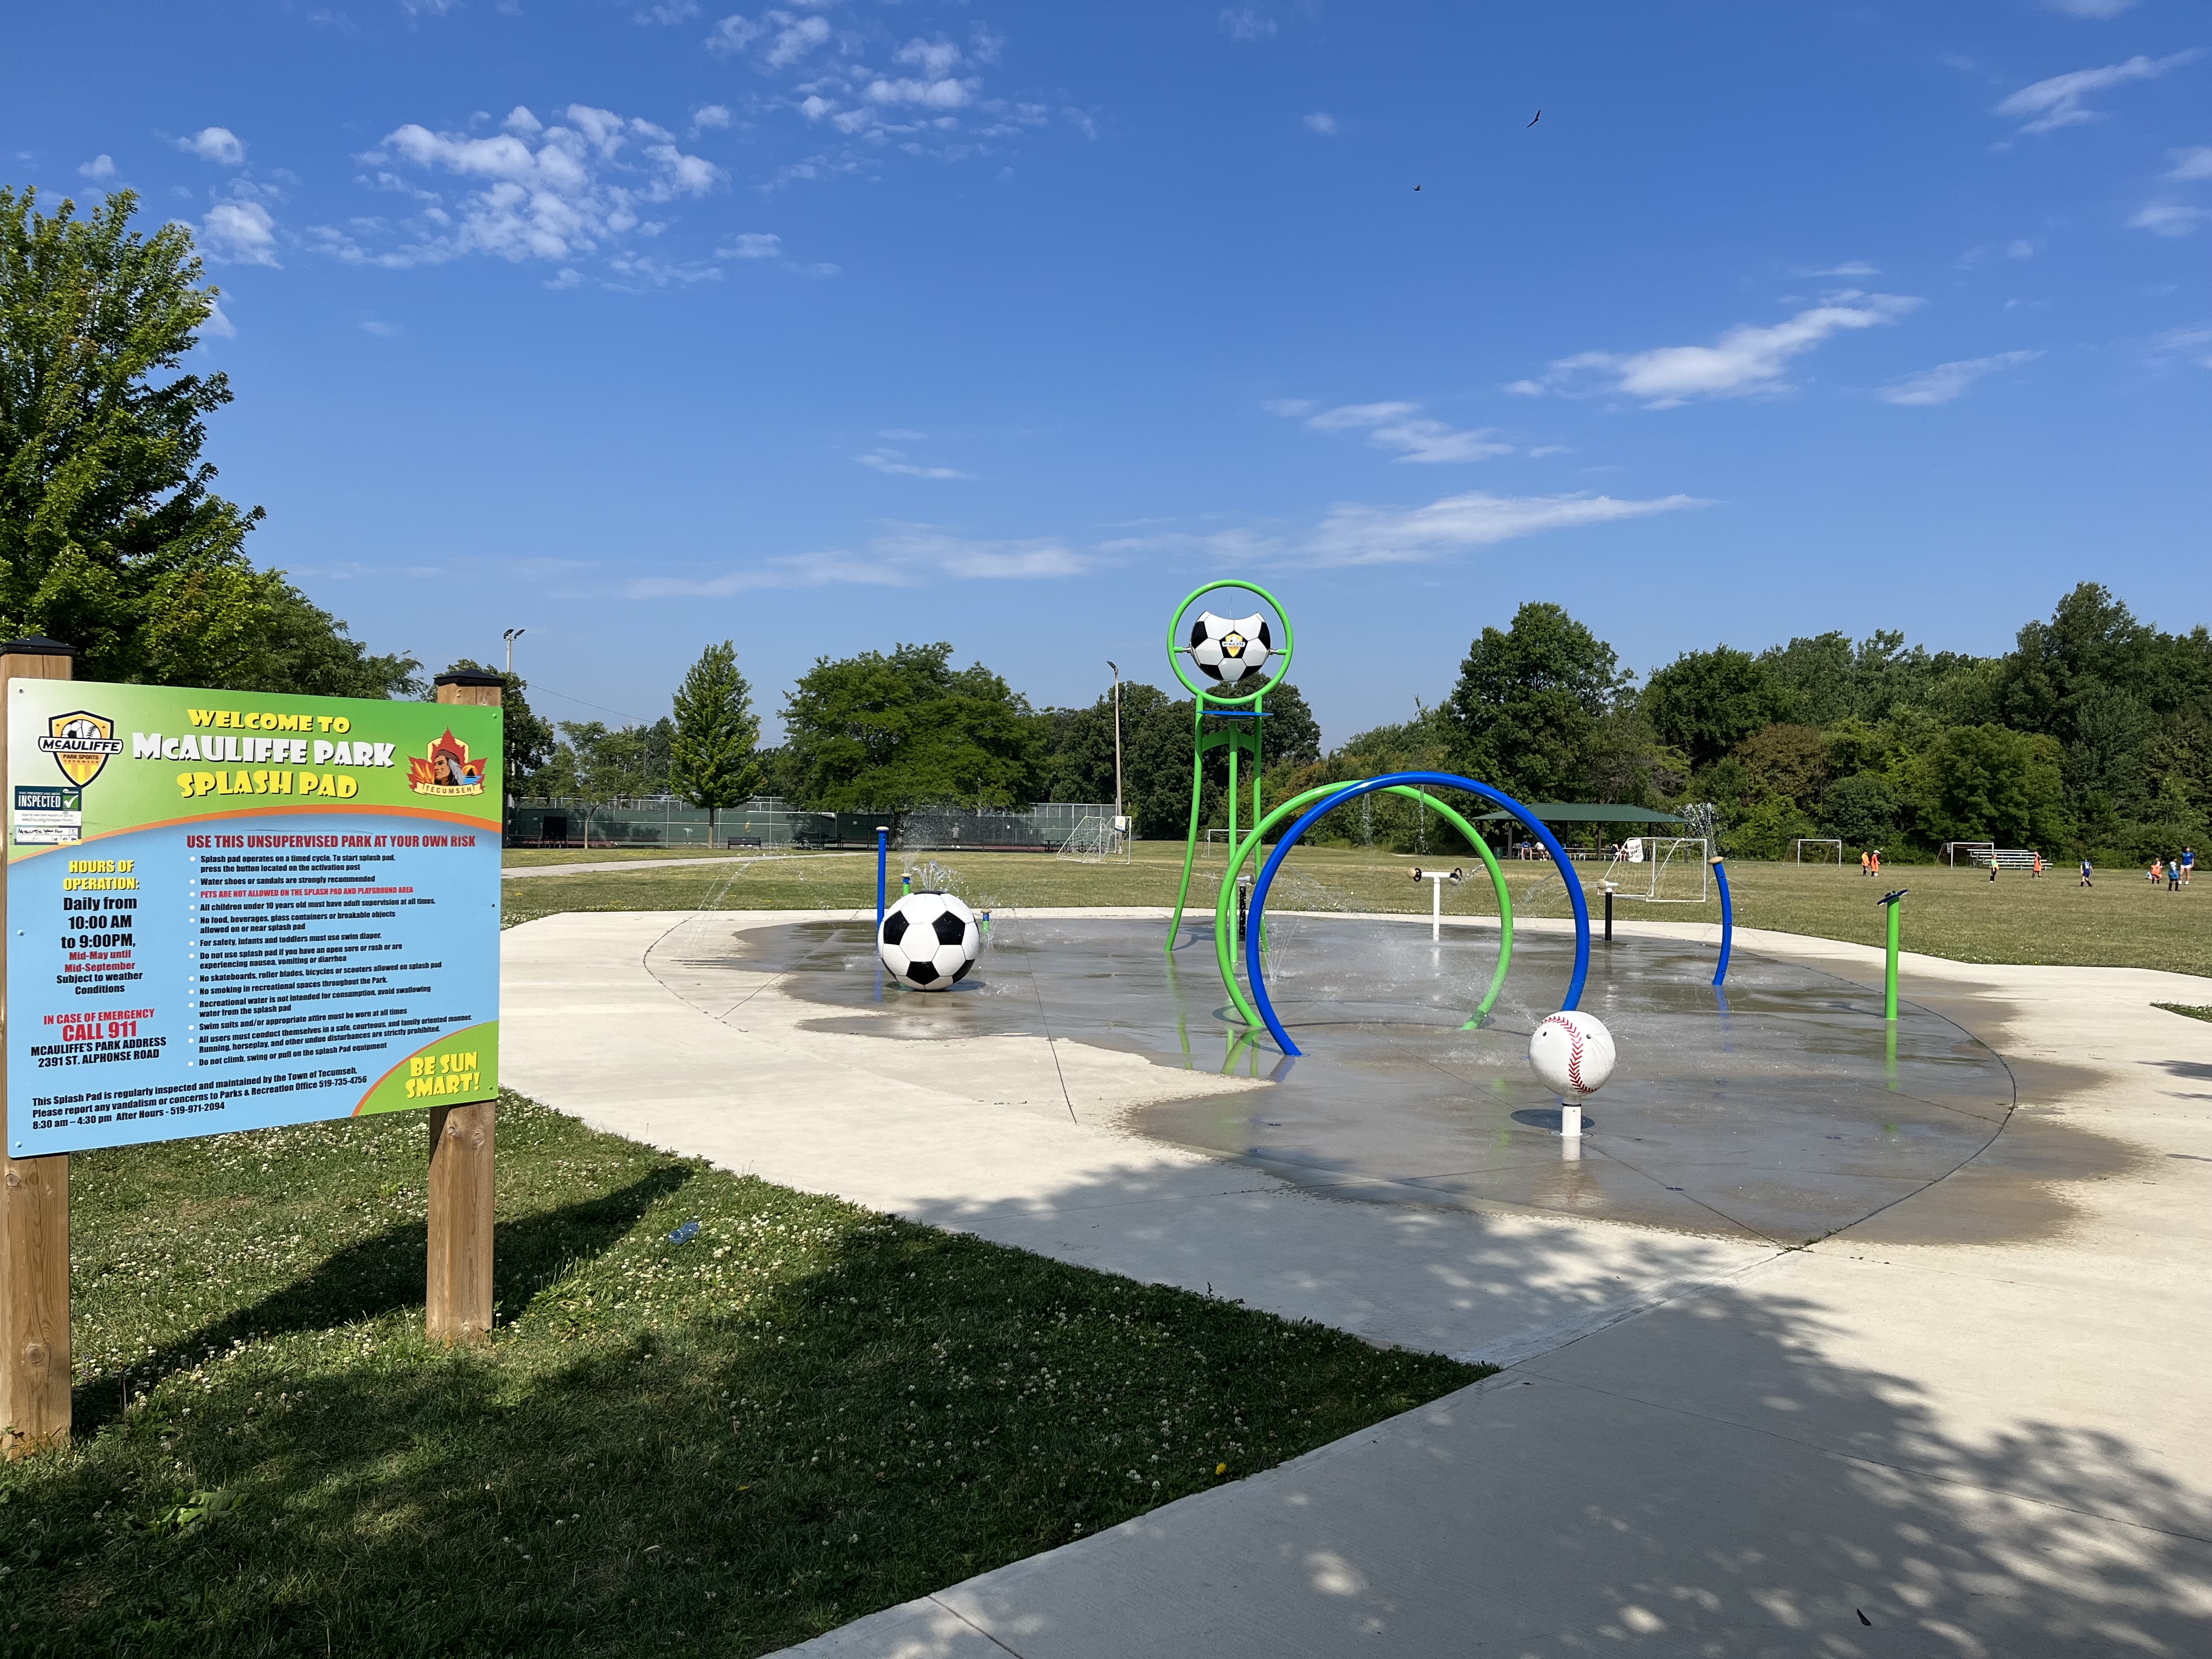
(511, 636)
(1118, 813)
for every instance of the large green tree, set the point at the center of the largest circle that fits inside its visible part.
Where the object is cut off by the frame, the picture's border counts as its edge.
(1528, 702)
(902, 729)
(112, 537)
(713, 763)
(1705, 703)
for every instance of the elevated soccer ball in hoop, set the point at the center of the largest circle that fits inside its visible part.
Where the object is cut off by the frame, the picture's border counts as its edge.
(1573, 1055)
(929, 941)
(1231, 649)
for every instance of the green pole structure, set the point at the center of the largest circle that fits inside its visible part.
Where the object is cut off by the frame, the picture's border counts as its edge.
(1242, 714)
(1889, 966)
(1224, 920)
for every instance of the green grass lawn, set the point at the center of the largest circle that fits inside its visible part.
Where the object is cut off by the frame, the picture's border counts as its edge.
(805, 1412)
(2123, 921)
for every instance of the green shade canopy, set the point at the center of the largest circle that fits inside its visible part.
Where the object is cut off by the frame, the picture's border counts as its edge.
(1572, 812)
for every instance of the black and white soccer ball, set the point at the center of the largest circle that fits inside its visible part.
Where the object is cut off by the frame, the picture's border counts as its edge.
(1231, 649)
(929, 941)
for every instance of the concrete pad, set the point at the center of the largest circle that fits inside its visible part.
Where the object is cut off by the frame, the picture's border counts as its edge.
(1012, 1139)
(1977, 1423)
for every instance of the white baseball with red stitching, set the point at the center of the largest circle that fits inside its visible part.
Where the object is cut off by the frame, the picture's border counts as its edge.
(1573, 1053)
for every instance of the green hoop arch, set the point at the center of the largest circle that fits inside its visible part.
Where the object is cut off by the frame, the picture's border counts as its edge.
(1225, 952)
(1176, 647)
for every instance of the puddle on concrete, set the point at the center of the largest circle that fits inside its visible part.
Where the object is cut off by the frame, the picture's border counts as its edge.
(1783, 1112)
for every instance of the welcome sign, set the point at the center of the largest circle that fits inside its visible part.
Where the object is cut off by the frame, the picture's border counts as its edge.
(230, 911)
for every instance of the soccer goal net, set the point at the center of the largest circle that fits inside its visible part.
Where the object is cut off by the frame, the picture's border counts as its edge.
(1660, 870)
(1097, 841)
(1814, 849)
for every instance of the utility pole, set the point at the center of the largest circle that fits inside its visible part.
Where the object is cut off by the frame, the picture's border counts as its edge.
(1118, 814)
(511, 636)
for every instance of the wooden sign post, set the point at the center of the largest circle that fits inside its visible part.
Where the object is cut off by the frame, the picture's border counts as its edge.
(35, 1203)
(458, 1305)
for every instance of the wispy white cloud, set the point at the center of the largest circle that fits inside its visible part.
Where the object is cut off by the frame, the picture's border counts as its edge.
(1246, 23)
(1854, 269)
(427, 7)
(1401, 427)
(2189, 346)
(2057, 103)
(872, 96)
(668, 12)
(1322, 121)
(2096, 10)
(709, 115)
(100, 167)
(382, 330)
(894, 461)
(1748, 359)
(1941, 384)
(217, 144)
(544, 192)
(2164, 216)
(239, 234)
(1360, 535)
(906, 556)
(2019, 248)
(219, 324)
(2195, 162)
(752, 244)
(1356, 534)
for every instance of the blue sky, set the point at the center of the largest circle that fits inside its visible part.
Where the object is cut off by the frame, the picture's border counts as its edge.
(824, 325)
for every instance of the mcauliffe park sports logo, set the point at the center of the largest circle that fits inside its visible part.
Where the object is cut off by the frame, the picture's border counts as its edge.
(447, 769)
(81, 743)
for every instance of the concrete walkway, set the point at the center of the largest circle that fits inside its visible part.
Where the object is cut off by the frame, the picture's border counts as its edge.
(1869, 1447)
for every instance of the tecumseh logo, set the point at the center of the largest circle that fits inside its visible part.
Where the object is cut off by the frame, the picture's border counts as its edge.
(81, 744)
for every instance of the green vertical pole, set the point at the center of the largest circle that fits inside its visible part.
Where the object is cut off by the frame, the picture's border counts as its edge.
(1234, 745)
(1197, 794)
(1889, 971)
(1891, 901)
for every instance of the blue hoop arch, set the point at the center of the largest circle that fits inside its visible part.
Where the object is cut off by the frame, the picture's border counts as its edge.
(1253, 931)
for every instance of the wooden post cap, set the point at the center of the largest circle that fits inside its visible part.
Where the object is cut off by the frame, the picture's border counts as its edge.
(470, 676)
(38, 645)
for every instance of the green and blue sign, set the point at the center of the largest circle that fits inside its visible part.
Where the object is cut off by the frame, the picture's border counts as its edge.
(230, 911)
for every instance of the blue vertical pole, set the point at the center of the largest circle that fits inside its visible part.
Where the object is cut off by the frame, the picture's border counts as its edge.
(1727, 918)
(883, 860)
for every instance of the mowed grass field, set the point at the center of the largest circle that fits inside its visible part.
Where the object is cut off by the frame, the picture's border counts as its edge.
(802, 1412)
(2123, 921)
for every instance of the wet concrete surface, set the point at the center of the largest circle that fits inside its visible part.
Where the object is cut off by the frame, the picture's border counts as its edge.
(1782, 1112)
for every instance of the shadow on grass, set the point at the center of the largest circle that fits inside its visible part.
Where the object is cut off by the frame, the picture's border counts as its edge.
(385, 1273)
(652, 1455)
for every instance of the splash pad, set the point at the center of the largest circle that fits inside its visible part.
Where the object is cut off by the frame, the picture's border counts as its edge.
(1781, 1119)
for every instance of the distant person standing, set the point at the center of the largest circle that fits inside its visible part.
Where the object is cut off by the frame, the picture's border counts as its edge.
(2173, 875)
(2157, 871)
(1993, 866)
(2188, 863)
(1876, 856)
(2036, 869)
(2086, 872)
(1866, 863)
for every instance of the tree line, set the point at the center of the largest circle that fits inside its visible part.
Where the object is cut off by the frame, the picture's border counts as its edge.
(2092, 735)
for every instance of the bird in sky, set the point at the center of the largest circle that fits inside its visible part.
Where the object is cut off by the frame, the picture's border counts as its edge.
(1537, 117)
(1417, 190)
